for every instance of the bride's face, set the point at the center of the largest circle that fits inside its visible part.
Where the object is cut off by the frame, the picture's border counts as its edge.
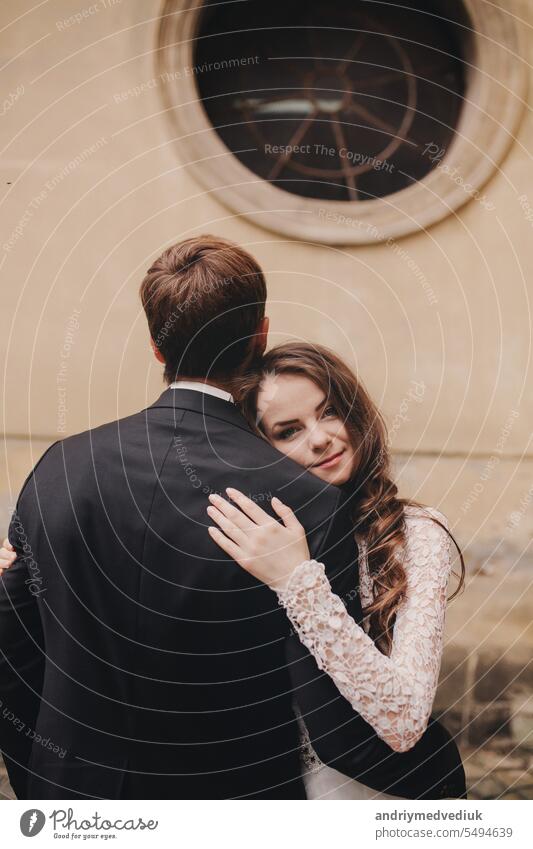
(298, 420)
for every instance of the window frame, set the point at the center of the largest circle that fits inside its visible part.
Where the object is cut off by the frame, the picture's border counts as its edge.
(496, 88)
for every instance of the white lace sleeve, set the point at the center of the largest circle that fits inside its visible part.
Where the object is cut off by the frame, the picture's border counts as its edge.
(394, 694)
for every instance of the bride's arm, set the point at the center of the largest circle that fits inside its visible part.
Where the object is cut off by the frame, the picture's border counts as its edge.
(393, 694)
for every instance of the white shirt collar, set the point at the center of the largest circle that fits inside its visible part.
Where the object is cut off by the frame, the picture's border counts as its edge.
(203, 387)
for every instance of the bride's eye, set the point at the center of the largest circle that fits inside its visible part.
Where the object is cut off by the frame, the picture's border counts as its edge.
(286, 434)
(330, 411)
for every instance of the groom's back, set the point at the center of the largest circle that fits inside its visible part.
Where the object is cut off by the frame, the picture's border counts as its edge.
(164, 670)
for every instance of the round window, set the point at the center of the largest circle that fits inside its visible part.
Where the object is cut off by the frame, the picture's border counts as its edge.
(336, 102)
(342, 122)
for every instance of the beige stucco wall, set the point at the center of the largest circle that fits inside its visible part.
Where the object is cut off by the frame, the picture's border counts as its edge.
(438, 324)
(70, 276)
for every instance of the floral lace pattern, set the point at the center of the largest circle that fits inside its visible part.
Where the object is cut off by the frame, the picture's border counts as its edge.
(394, 694)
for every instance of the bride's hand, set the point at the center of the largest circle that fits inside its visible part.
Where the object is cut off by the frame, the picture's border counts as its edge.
(267, 549)
(7, 556)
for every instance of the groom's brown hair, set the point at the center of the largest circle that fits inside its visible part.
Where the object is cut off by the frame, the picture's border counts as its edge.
(203, 298)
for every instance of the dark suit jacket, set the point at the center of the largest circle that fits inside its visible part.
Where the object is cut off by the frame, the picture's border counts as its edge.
(137, 659)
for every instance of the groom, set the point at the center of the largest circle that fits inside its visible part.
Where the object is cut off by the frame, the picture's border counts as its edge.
(136, 659)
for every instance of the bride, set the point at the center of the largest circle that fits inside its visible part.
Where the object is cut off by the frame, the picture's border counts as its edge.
(310, 406)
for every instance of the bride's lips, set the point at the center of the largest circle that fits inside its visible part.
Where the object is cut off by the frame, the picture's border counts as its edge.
(330, 461)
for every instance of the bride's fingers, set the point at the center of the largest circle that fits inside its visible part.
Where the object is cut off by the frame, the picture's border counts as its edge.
(232, 513)
(7, 555)
(286, 514)
(6, 558)
(256, 513)
(225, 544)
(232, 531)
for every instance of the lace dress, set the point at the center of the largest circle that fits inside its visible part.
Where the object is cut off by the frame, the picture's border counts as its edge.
(394, 694)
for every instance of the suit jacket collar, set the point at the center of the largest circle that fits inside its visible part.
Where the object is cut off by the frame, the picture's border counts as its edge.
(201, 402)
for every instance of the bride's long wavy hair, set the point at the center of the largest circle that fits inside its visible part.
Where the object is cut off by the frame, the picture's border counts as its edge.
(378, 511)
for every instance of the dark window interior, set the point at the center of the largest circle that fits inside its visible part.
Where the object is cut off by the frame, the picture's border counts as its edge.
(339, 100)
